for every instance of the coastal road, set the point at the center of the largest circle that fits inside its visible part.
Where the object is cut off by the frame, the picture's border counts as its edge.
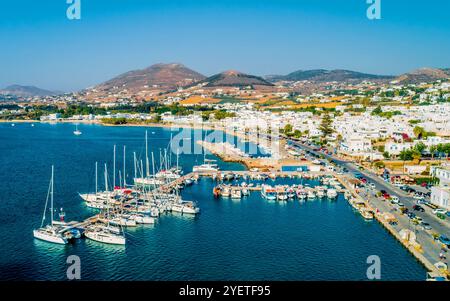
(439, 226)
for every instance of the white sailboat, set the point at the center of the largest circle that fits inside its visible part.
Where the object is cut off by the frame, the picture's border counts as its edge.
(77, 132)
(208, 166)
(104, 234)
(50, 232)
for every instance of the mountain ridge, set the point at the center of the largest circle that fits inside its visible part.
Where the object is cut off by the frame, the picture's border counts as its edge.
(27, 91)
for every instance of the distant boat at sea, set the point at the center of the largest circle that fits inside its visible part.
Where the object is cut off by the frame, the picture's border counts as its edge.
(77, 132)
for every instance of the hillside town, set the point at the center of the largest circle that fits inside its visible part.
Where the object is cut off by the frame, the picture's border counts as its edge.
(392, 128)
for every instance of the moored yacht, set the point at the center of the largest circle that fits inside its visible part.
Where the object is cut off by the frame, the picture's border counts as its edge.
(185, 207)
(331, 193)
(103, 235)
(50, 233)
(206, 167)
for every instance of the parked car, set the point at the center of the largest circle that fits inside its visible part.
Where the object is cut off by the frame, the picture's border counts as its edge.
(439, 210)
(426, 226)
(445, 240)
(418, 218)
(411, 215)
(422, 201)
(395, 199)
(418, 208)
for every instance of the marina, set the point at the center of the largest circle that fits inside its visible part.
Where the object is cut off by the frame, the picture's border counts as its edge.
(127, 219)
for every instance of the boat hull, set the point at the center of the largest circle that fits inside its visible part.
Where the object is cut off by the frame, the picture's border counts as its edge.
(56, 239)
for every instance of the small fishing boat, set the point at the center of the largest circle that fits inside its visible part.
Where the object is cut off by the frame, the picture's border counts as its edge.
(245, 192)
(290, 193)
(331, 193)
(226, 191)
(311, 194)
(301, 194)
(321, 191)
(216, 191)
(268, 192)
(236, 194)
(367, 214)
(228, 176)
(281, 193)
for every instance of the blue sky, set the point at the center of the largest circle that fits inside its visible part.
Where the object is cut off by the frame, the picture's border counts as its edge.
(40, 46)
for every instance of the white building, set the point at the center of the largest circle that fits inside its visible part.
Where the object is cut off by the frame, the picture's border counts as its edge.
(440, 195)
(394, 148)
(356, 146)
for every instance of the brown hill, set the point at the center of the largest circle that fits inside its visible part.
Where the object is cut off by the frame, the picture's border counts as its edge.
(159, 76)
(234, 79)
(423, 75)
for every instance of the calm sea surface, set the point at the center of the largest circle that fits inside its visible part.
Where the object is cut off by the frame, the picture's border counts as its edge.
(251, 239)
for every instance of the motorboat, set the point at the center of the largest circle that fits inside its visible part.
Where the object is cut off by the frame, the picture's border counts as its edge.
(268, 192)
(236, 194)
(331, 193)
(281, 193)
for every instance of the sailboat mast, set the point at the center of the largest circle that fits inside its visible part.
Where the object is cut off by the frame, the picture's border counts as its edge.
(106, 188)
(114, 167)
(153, 164)
(166, 167)
(51, 194)
(135, 165)
(170, 150)
(124, 160)
(106, 178)
(96, 178)
(146, 155)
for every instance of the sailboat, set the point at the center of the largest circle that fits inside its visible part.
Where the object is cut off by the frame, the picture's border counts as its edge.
(104, 234)
(208, 166)
(50, 232)
(77, 132)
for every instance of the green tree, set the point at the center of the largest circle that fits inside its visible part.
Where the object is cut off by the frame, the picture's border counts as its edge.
(377, 111)
(418, 132)
(287, 129)
(326, 126)
(420, 147)
(433, 149)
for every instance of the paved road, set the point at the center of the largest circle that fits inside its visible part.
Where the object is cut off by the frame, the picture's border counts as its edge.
(431, 248)
(439, 226)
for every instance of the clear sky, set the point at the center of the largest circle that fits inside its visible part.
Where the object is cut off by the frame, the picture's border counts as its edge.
(40, 46)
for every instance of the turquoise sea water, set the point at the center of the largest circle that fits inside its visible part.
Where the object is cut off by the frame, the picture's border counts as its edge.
(251, 239)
